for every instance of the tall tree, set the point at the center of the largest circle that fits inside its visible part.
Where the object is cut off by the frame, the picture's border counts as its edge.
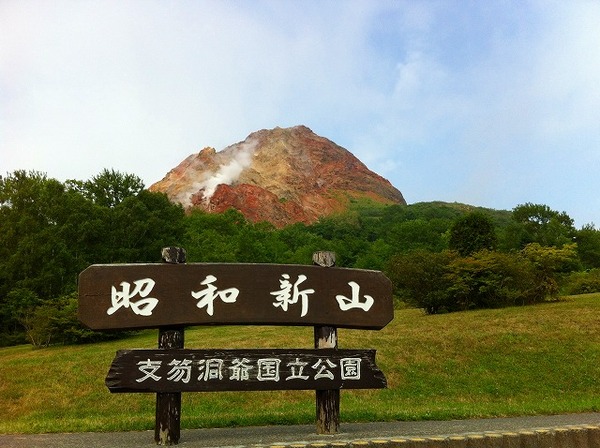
(35, 258)
(49, 232)
(428, 234)
(588, 246)
(538, 223)
(472, 233)
(33, 253)
(110, 187)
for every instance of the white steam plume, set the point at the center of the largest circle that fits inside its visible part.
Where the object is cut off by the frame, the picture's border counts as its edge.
(229, 172)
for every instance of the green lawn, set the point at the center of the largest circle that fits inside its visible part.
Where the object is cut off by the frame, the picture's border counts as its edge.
(515, 361)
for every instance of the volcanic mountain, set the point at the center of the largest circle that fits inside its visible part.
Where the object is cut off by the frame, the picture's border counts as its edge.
(280, 175)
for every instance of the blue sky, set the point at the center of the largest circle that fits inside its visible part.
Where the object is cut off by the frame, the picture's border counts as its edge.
(490, 103)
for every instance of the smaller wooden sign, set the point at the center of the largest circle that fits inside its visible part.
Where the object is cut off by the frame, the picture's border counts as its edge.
(243, 370)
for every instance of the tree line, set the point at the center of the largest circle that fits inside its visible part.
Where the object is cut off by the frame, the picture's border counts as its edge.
(441, 257)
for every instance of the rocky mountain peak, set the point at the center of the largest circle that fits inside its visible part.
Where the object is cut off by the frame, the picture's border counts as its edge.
(281, 175)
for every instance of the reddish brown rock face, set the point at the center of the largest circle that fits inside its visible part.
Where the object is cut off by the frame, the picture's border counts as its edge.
(280, 175)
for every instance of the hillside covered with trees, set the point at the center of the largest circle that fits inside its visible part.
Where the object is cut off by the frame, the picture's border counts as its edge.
(441, 257)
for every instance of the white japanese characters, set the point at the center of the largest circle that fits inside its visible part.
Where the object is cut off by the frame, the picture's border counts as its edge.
(240, 369)
(122, 299)
(210, 369)
(289, 294)
(181, 370)
(297, 368)
(354, 302)
(273, 369)
(208, 295)
(149, 368)
(268, 369)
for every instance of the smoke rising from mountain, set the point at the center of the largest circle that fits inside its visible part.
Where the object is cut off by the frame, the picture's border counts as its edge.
(228, 173)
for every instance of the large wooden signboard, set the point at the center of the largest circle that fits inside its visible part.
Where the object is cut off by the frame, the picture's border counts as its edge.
(171, 295)
(237, 370)
(128, 296)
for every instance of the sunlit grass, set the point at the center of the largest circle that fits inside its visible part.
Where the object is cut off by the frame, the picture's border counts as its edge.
(540, 359)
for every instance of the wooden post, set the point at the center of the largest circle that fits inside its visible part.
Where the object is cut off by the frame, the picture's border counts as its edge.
(327, 401)
(167, 428)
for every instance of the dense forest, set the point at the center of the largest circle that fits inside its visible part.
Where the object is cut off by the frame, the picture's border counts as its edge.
(440, 257)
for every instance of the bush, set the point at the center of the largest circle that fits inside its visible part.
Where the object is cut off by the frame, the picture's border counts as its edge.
(446, 282)
(550, 264)
(490, 279)
(583, 282)
(472, 233)
(56, 322)
(419, 279)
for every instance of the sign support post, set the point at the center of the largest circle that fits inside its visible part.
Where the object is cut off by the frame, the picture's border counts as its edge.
(327, 401)
(167, 427)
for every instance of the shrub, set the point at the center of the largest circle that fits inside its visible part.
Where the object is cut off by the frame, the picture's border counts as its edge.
(472, 233)
(550, 262)
(490, 279)
(445, 282)
(583, 282)
(419, 279)
(56, 322)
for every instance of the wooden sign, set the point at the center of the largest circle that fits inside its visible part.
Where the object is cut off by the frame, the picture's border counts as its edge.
(243, 370)
(128, 296)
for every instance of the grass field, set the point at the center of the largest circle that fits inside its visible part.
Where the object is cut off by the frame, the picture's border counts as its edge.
(540, 359)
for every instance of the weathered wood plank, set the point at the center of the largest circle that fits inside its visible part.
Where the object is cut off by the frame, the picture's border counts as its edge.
(128, 296)
(241, 370)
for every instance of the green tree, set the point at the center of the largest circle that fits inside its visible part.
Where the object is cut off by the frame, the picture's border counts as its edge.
(418, 233)
(250, 246)
(588, 246)
(376, 256)
(445, 281)
(583, 282)
(550, 263)
(51, 231)
(55, 322)
(110, 187)
(18, 306)
(212, 237)
(139, 226)
(472, 233)
(419, 279)
(538, 223)
(342, 234)
(300, 243)
(489, 279)
(33, 251)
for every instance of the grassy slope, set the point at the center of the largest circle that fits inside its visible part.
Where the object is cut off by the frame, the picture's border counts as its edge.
(514, 361)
